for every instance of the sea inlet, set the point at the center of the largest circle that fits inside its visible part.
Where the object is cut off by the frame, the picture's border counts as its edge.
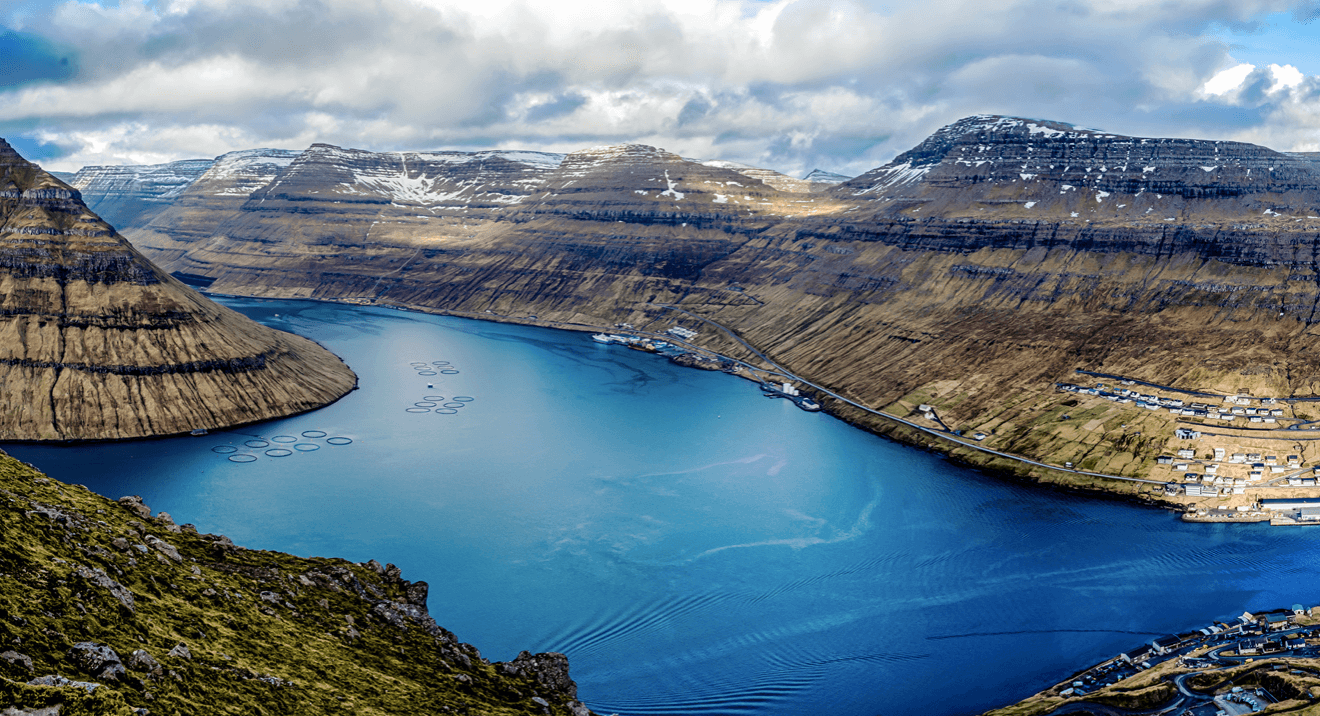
(692, 546)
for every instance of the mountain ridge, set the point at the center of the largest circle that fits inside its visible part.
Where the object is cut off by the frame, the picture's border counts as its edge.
(953, 276)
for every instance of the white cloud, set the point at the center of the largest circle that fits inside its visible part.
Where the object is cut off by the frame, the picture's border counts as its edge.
(1228, 80)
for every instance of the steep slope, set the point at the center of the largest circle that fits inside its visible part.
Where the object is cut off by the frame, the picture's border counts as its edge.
(111, 610)
(132, 195)
(99, 343)
(972, 273)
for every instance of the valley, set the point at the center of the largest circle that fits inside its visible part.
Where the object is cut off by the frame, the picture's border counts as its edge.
(973, 274)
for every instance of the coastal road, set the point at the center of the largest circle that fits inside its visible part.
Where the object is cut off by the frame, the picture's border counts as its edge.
(940, 434)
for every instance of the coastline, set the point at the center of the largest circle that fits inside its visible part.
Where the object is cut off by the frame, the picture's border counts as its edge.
(958, 450)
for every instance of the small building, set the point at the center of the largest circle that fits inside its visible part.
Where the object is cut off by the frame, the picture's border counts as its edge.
(979, 436)
(1186, 434)
(1165, 644)
(1167, 460)
(1277, 622)
(1187, 453)
(1219, 454)
(1136, 656)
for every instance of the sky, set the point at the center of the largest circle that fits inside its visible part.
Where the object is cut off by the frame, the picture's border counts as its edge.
(792, 85)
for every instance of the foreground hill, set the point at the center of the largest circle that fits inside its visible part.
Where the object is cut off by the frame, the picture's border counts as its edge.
(110, 610)
(99, 343)
(972, 274)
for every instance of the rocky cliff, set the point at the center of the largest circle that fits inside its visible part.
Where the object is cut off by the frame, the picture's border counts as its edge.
(972, 273)
(109, 609)
(99, 343)
(133, 195)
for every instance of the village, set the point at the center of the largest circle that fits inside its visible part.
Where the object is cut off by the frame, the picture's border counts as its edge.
(1240, 666)
(1232, 458)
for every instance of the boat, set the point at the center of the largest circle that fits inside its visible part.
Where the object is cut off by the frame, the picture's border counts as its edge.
(197, 431)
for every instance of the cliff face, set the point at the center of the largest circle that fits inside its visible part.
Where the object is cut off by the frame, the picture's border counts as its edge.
(99, 343)
(133, 195)
(111, 610)
(971, 273)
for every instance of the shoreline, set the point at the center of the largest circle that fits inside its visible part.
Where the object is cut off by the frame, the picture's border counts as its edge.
(963, 452)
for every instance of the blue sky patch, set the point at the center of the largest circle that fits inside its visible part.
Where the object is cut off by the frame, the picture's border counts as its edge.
(26, 58)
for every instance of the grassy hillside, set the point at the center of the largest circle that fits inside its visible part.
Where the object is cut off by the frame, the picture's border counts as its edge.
(122, 612)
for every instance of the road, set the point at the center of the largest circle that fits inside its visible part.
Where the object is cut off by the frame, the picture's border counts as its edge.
(937, 433)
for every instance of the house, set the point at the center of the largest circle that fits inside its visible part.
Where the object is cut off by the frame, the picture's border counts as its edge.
(979, 436)
(1186, 434)
(1219, 454)
(1276, 622)
(1238, 457)
(1187, 453)
(1166, 460)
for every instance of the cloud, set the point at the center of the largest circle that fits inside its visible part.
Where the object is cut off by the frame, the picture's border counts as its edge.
(789, 84)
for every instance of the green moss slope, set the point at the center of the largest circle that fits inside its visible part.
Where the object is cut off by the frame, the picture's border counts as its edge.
(198, 625)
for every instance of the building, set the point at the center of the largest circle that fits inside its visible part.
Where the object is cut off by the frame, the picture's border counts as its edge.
(1165, 644)
(1186, 434)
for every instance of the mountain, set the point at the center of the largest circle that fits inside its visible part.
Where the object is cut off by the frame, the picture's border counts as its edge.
(110, 609)
(973, 273)
(102, 344)
(132, 195)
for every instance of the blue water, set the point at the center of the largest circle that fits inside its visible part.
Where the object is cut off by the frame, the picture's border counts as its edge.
(692, 546)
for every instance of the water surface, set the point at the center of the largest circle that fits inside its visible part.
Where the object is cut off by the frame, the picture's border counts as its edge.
(692, 546)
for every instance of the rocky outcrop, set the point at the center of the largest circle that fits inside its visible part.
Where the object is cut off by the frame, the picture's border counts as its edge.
(99, 343)
(259, 632)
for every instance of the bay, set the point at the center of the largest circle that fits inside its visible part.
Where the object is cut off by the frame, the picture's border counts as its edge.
(692, 546)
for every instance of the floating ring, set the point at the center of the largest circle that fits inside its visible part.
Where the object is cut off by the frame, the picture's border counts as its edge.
(418, 410)
(446, 411)
(436, 398)
(417, 363)
(256, 443)
(463, 399)
(313, 433)
(425, 372)
(284, 439)
(243, 458)
(279, 452)
(439, 362)
(224, 449)
(424, 404)
(448, 372)
(339, 441)
(306, 447)
(454, 405)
